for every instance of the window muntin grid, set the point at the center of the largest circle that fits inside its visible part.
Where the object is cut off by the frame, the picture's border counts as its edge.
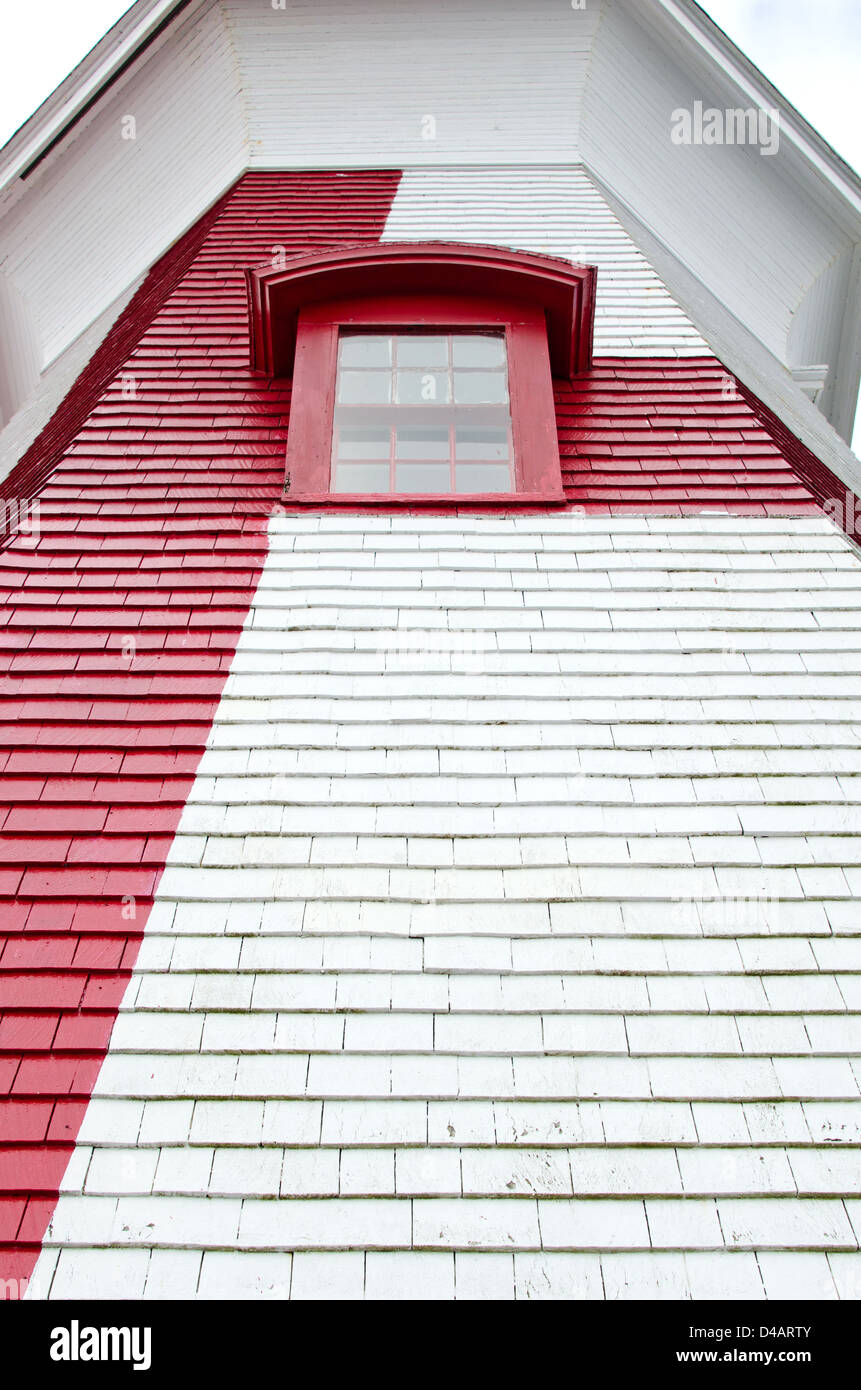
(420, 412)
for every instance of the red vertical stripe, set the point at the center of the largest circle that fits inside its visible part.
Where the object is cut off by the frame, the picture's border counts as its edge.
(155, 478)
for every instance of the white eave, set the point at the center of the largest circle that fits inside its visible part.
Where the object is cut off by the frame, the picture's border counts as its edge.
(84, 84)
(823, 160)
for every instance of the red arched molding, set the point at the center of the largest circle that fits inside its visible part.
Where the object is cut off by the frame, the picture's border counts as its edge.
(565, 293)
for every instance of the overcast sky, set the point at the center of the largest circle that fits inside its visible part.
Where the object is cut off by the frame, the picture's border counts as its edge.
(810, 49)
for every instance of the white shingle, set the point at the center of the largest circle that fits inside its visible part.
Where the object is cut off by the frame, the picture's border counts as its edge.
(397, 1275)
(620, 827)
(586, 1224)
(235, 1275)
(172, 1274)
(80, 1220)
(722, 1276)
(557, 1276)
(310, 1172)
(111, 1121)
(691, 1224)
(328, 1275)
(781, 1222)
(429, 1172)
(121, 1170)
(338, 1223)
(374, 1122)
(246, 1172)
(650, 1121)
(797, 1274)
(461, 1122)
(491, 1224)
(368, 1173)
(645, 1276)
(483, 1277)
(214, 1120)
(524, 1172)
(183, 1170)
(846, 1272)
(101, 1274)
(614, 1172)
(711, 1171)
(184, 1221)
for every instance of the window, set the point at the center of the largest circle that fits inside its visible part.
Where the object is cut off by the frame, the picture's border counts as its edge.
(422, 374)
(422, 413)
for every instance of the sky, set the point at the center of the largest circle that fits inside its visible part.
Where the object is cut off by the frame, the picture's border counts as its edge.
(809, 49)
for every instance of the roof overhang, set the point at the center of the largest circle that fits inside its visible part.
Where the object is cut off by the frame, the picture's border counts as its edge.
(79, 108)
(565, 292)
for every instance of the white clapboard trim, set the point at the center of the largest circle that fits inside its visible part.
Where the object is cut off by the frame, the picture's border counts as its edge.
(391, 84)
(507, 944)
(561, 213)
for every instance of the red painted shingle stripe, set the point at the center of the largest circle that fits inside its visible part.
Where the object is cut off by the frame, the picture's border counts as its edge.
(118, 629)
(675, 436)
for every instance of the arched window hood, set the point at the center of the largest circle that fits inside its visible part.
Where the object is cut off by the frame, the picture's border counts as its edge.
(565, 292)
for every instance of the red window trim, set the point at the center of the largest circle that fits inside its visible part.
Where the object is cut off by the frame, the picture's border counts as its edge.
(544, 305)
(538, 472)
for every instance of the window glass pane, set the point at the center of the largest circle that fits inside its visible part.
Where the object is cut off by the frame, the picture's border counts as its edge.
(478, 350)
(422, 477)
(473, 443)
(483, 477)
(364, 388)
(421, 350)
(475, 388)
(365, 350)
(423, 388)
(432, 443)
(394, 390)
(362, 477)
(364, 442)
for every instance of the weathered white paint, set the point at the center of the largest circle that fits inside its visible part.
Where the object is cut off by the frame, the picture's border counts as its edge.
(560, 212)
(508, 934)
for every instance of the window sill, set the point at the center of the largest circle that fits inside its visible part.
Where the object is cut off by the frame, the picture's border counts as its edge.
(421, 501)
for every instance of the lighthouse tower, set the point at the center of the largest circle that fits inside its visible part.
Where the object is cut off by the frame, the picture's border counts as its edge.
(430, 710)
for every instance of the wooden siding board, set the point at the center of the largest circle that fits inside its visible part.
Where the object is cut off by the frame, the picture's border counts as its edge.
(115, 738)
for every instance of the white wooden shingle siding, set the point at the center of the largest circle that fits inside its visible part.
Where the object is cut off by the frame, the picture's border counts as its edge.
(508, 944)
(561, 213)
